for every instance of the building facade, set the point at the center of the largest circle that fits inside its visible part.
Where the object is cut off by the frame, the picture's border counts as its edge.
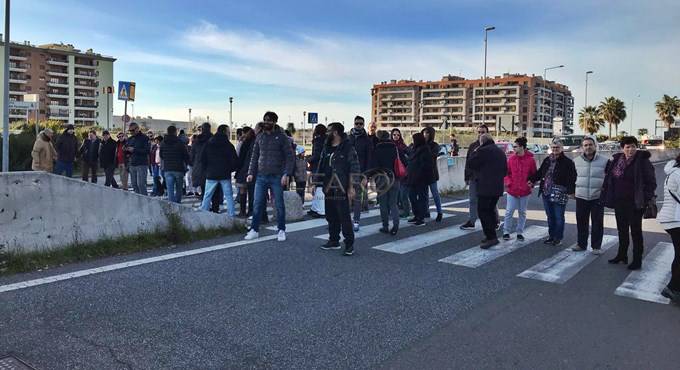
(512, 102)
(70, 84)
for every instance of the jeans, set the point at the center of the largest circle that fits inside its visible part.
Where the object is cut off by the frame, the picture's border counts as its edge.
(418, 196)
(629, 224)
(674, 284)
(404, 203)
(138, 177)
(173, 180)
(486, 208)
(210, 187)
(555, 213)
(155, 175)
(519, 204)
(262, 184)
(593, 210)
(124, 175)
(435, 196)
(472, 195)
(338, 217)
(87, 168)
(388, 206)
(110, 180)
(64, 167)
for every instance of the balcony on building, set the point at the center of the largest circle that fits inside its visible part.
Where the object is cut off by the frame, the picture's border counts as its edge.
(57, 82)
(18, 67)
(18, 55)
(58, 72)
(85, 95)
(17, 78)
(85, 105)
(58, 92)
(60, 60)
(85, 63)
(86, 74)
(85, 84)
(58, 114)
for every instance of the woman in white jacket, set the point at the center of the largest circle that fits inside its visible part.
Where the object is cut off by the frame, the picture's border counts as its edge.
(669, 218)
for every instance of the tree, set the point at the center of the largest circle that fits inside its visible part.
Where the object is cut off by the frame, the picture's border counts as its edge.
(590, 119)
(642, 131)
(667, 108)
(613, 111)
(622, 133)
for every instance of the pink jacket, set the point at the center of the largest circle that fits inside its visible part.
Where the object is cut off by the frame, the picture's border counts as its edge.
(519, 170)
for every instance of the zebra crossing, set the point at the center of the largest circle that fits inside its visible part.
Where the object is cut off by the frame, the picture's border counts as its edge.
(645, 284)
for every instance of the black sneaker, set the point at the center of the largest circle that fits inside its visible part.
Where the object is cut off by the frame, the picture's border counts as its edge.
(506, 236)
(556, 242)
(384, 230)
(428, 215)
(394, 230)
(349, 250)
(330, 246)
(467, 226)
(439, 217)
(548, 241)
(412, 221)
(520, 237)
(419, 223)
(489, 243)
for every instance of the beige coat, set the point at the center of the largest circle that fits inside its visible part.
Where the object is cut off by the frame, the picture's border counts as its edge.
(43, 154)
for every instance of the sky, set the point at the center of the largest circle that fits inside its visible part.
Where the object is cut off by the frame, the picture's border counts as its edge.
(322, 56)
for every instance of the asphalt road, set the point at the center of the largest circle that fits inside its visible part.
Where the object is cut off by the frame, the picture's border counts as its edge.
(293, 305)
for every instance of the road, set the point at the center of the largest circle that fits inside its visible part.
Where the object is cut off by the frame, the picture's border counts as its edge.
(428, 300)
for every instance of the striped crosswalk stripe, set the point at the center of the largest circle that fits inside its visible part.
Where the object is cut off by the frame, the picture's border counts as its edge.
(646, 284)
(420, 241)
(373, 229)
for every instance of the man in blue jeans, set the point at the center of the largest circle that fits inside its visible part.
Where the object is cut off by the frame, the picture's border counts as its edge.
(139, 148)
(174, 159)
(271, 163)
(219, 161)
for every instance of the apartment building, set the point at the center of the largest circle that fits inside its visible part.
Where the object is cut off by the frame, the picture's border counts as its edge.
(511, 102)
(70, 83)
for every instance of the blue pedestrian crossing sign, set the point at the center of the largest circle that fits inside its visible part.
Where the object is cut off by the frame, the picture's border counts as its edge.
(312, 117)
(126, 90)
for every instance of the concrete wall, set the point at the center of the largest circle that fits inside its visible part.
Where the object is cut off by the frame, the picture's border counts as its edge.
(40, 211)
(452, 169)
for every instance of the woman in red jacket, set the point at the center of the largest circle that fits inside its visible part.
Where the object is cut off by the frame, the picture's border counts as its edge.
(521, 165)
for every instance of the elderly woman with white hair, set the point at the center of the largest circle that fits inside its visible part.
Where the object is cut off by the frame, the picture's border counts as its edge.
(557, 175)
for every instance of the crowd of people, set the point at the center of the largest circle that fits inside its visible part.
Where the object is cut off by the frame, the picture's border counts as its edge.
(266, 160)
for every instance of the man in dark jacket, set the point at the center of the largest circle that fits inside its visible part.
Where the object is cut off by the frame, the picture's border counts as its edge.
(246, 189)
(469, 180)
(107, 158)
(364, 147)
(386, 184)
(490, 167)
(271, 163)
(419, 176)
(89, 154)
(198, 170)
(429, 134)
(219, 161)
(139, 148)
(175, 159)
(340, 170)
(67, 148)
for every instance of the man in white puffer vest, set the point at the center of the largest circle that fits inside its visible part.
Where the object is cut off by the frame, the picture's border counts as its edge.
(590, 169)
(669, 218)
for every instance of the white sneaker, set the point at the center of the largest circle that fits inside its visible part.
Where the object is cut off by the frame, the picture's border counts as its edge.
(596, 252)
(282, 236)
(252, 234)
(356, 226)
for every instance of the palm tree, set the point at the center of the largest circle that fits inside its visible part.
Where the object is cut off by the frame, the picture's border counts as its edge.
(667, 108)
(590, 119)
(613, 112)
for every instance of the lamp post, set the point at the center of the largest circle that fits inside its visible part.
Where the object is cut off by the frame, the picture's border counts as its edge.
(231, 102)
(586, 97)
(189, 124)
(5, 93)
(486, 33)
(632, 110)
(545, 86)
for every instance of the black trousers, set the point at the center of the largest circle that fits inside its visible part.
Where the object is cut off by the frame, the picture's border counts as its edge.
(87, 169)
(246, 197)
(674, 284)
(629, 224)
(110, 180)
(486, 208)
(339, 218)
(589, 211)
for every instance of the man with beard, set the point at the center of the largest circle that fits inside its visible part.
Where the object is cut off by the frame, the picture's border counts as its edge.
(271, 163)
(364, 147)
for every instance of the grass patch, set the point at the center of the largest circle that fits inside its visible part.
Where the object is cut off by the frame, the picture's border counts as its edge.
(176, 233)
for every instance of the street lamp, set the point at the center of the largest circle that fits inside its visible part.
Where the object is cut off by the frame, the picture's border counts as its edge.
(632, 109)
(486, 32)
(231, 101)
(545, 86)
(586, 97)
(5, 93)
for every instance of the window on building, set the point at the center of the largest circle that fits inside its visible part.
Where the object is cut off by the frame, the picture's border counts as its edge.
(524, 109)
(524, 118)
(42, 67)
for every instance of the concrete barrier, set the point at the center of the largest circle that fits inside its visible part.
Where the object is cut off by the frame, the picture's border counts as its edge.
(452, 169)
(41, 211)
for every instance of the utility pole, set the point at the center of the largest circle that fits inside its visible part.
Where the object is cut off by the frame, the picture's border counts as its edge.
(231, 101)
(545, 87)
(5, 87)
(189, 125)
(586, 97)
(486, 32)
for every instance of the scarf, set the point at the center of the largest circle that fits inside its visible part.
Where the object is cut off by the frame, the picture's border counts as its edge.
(548, 183)
(621, 165)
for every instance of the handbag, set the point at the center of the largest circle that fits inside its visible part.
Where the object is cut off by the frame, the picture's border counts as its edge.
(558, 194)
(651, 209)
(399, 168)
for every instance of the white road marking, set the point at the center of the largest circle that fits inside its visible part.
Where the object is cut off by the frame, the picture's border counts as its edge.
(646, 284)
(420, 241)
(123, 265)
(565, 264)
(374, 229)
(317, 222)
(476, 256)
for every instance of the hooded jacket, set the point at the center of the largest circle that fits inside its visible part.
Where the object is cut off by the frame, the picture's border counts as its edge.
(272, 154)
(644, 184)
(669, 215)
(340, 162)
(363, 146)
(434, 151)
(244, 156)
(219, 158)
(67, 147)
(174, 154)
(469, 175)
(489, 167)
(419, 168)
(317, 147)
(590, 176)
(197, 147)
(520, 168)
(43, 154)
(107, 153)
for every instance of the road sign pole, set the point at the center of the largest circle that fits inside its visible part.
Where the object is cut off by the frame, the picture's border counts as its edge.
(37, 119)
(125, 118)
(108, 111)
(5, 92)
